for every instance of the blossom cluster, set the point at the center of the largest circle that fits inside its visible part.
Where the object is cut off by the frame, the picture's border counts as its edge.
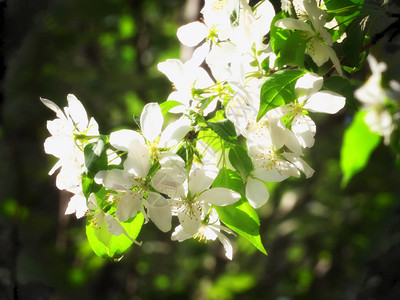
(241, 120)
(381, 109)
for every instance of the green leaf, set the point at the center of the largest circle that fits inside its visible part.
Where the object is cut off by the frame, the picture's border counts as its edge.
(343, 87)
(106, 245)
(358, 144)
(241, 161)
(224, 129)
(240, 216)
(89, 186)
(292, 51)
(278, 89)
(354, 43)
(265, 65)
(166, 106)
(278, 35)
(96, 156)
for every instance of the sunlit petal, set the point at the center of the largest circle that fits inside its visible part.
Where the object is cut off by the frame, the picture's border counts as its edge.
(151, 121)
(256, 193)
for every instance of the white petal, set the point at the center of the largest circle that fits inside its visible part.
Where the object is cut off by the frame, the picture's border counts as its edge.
(304, 129)
(60, 146)
(199, 55)
(333, 56)
(226, 243)
(179, 234)
(159, 211)
(114, 227)
(192, 34)
(290, 23)
(77, 205)
(288, 168)
(174, 70)
(318, 51)
(219, 196)
(77, 112)
(138, 161)
(128, 206)
(174, 133)
(122, 139)
(201, 177)
(169, 179)
(115, 179)
(190, 220)
(325, 102)
(93, 128)
(307, 85)
(57, 165)
(151, 121)
(292, 142)
(316, 15)
(256, 192)
(271, 175)
(299, 163)
(179, 97)
(54, 107)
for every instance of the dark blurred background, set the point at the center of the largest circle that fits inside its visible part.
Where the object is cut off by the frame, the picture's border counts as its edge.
(324, 242)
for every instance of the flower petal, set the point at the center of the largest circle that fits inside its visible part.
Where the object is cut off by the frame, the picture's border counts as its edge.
(116, 180)
(219, 196)
(256, 193)
(54, 107)
(299, 163)
(138, 160)
(333, 56)
(179, 234)
(174, 70)
(77, 112)
(77, 205)
(159, 211)
(201, 177)
(226, 243)
(122, 139)
(190, 220)
(325, 102)
(304, 129)
(174, 133)
(290, 23)
(192, 34)
(308, 85)
(128, 206)
(272, 175)
(151, 121)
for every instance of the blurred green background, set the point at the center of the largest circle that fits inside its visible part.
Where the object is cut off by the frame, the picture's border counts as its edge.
(324, 242)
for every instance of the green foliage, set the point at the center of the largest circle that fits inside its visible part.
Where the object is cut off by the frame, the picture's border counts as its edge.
(96, 156)
(241, 161)
(358, 144)
(224, 129)
(106, 245)
(228, 285)
(278, 89)
(278, 35)
(354, 42)
(166, 106)
(95, 161)
(240, 216)
(292, 51)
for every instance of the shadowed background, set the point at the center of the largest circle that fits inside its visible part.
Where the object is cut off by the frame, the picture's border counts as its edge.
(324, 242)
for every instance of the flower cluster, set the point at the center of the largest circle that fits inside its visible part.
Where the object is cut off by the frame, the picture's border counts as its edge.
(378, 102)
(240, 122)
